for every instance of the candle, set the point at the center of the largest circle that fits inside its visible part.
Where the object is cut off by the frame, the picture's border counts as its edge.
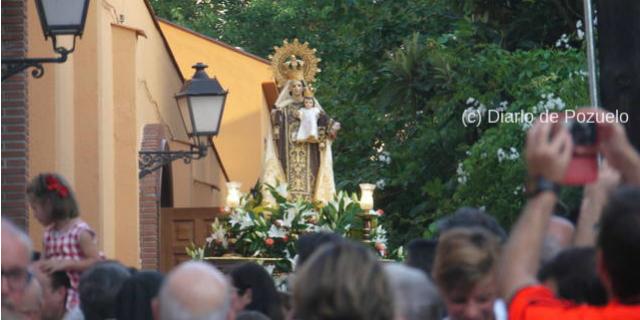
(366, 196)
(233, 194)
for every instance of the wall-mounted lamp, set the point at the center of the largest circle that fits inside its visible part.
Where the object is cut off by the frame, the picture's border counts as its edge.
(58, 18)
(201, 103)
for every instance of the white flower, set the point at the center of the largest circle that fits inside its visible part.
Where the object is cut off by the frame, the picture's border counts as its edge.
(580, 34)
(218, 234)
(242, 218)
(501, 155)
(563, 42)
(269, 268)
(384, 157)
(315, 228)
(550, 103)
(513, 155)
(282, 190)
(463, 176)
(289, 216)
(275, 232)
(380, 235)
(503, 106)
(579, 24)
(380, 184)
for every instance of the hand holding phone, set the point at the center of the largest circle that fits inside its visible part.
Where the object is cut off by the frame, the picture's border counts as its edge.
(583, 127)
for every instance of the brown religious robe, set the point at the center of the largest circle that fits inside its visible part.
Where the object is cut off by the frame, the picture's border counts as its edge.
(300, 160)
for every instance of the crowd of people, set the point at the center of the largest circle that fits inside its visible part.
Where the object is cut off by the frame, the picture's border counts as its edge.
(546, 267)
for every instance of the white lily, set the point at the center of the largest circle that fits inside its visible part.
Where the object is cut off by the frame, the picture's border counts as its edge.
(282, 190)
(275, 232)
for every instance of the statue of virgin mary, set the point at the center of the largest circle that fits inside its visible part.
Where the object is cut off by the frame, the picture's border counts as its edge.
(306, 166)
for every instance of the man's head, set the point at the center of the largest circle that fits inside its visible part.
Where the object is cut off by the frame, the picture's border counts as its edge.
(16, 255)
(54, 292)
(467, 217)
(559, 237)
(310, 242)
(99, 288)
(30, 307)
(195, 290)
(421, 253)
(619, 245)
(415, 296)
(572, 276)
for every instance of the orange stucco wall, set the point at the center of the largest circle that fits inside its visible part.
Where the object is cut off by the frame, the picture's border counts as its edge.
(86, 119)
(246, 117)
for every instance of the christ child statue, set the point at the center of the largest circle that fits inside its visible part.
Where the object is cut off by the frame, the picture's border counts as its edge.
(309, 114)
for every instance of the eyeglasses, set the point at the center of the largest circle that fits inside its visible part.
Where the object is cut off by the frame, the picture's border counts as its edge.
(17, 278)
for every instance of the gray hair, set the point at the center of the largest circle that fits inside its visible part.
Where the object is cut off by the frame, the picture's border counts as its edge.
(21, 236)
(415, 296)
(171, 306)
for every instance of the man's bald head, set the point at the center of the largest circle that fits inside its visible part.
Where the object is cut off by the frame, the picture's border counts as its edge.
(559, 237)
(16, 255)
(195, 290)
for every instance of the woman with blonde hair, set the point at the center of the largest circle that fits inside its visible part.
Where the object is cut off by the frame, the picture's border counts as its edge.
(464, 271)
(342, 281)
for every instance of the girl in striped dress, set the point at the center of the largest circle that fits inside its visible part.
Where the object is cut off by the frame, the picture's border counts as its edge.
(69, 243)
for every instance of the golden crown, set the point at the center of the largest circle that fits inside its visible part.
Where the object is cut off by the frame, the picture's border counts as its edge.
(295, 68)
(294, 61)
(308, 92)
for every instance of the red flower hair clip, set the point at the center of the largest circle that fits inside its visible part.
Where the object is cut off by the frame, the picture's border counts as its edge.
(53, 184)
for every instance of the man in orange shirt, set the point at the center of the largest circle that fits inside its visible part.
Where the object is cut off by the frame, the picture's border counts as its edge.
(618, 258)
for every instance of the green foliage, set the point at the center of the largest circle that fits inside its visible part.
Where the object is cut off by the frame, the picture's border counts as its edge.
(399, 75)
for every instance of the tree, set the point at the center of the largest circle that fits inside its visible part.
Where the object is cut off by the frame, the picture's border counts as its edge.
(400, 74)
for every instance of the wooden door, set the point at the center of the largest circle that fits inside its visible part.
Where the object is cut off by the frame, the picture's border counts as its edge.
(179, 228)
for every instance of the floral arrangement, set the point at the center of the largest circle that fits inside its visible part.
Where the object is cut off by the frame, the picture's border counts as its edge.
(258, 229)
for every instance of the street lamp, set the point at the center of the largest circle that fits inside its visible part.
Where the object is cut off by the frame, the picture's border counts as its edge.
(58, 18)
(201, 103)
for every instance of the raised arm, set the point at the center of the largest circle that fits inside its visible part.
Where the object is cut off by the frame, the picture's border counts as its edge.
(618, 151)
(547, 160)
(594, 198)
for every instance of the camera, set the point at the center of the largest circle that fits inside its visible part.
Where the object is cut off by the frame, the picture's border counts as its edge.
(583, 133)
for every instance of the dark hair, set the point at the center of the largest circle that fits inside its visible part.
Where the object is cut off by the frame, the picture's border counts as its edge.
(53, 188)
(344, 280)
(134, 298)
(264, 296)
(310, 242)
(619, 239)
(99, 287)
(60, 279)
(251, 315)
(464, 257)
(420, 254)
(471, 217)
(574, 272)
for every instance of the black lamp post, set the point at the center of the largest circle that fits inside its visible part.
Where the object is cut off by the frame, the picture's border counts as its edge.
(201, 103)
(58, 18)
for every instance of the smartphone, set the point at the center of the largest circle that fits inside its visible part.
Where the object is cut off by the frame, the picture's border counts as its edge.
(583, 168)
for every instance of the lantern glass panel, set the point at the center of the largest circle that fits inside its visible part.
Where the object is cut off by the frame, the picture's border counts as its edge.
(183, 105)
(206, 113)
(60, 13)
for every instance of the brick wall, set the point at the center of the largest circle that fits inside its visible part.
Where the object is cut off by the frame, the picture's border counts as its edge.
(150, 192)
(15, 130)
